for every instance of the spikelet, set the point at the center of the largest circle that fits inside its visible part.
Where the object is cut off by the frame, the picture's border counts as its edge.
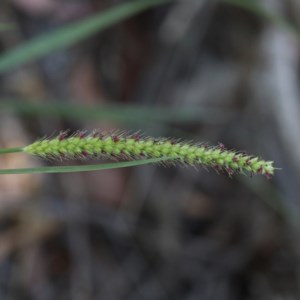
(81, 145)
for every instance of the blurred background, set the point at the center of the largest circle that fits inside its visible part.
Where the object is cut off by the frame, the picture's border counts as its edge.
(207, 70)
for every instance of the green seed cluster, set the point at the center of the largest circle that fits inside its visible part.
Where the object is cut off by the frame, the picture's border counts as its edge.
(119, 146)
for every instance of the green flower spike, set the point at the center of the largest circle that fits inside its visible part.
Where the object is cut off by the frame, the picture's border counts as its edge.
(125, 146)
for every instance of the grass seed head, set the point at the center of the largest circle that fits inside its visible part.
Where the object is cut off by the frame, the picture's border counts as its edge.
(83, 145)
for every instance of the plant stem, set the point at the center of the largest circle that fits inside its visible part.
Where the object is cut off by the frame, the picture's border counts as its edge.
(81, 168)
(11, 150)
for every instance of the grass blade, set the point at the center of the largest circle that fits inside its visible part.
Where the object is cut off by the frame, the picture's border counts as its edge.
(85, 168)
(73, 33)
(126, 114)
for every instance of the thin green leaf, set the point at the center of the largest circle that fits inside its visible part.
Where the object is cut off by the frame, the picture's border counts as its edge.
(127, 114)
(85, 168)
(73, 33)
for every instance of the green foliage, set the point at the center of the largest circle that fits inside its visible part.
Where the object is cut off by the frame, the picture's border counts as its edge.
(73, 33)
(74, 147)
(128, 114)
